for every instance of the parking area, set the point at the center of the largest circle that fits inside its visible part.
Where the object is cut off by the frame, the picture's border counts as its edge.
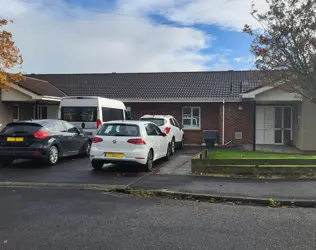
(79, 170)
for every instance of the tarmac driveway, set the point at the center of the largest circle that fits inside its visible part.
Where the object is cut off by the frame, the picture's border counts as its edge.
(79, 170)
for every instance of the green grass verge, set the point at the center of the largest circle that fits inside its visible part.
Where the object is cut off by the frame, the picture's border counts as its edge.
(230, 154)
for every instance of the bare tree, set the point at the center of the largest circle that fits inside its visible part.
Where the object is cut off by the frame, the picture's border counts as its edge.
(285, 44)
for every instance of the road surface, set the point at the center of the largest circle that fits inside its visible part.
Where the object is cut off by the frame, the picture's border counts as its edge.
(73, 219)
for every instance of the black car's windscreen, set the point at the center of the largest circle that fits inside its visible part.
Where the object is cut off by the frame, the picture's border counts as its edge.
(21, 128)
(113, 129)
(157, 121)
(79, 114)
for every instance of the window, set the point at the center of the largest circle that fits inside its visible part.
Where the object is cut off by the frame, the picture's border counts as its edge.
(70, 128)
(79, 114)
(129, 130)
(15, 112)
(176, 122)
(42, 112)
(110, 114)
(191, 117)
(172, 122)
(151, 129)
(128, 112)
(157, 121)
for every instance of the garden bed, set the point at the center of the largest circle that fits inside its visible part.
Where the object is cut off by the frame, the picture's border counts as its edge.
(237, 162)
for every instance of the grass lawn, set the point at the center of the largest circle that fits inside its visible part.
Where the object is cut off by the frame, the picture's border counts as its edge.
(230, 154)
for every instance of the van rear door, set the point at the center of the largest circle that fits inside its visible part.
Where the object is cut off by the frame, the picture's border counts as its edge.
(81, 117)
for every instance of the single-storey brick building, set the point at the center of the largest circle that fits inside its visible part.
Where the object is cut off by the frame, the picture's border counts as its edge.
(234, 103)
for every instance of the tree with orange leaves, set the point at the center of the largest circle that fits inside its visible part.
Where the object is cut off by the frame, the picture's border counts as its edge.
(285, 44)
(9, 58)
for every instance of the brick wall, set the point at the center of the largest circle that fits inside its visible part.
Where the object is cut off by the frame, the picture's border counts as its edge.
(236, 121)
(209, 116)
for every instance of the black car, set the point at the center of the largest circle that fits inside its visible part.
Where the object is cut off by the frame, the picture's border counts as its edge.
(45, 140)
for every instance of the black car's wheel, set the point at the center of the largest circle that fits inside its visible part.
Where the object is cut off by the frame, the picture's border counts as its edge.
(6, 161)
(85, 151)
(52, 156)
(97, 165)
(150, 161)
(168, 153)
(173, 146)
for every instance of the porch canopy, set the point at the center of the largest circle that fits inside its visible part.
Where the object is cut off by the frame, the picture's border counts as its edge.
(275, 112)
(27, 98)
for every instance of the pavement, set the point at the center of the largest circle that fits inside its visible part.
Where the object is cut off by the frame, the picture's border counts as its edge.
(172, 176)
(50, 219)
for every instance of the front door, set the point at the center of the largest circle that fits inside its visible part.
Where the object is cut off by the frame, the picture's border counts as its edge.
(282, 125)
(273, 124)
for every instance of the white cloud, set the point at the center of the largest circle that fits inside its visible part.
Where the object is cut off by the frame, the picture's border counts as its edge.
(232, 14)
(62, 40)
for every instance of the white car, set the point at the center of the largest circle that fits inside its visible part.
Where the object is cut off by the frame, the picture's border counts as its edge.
(120, 142)
(170, 126)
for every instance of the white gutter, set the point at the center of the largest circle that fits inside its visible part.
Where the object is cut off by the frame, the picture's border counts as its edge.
(223, 123)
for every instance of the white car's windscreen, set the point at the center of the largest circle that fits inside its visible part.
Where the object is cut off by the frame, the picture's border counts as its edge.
(129, 130)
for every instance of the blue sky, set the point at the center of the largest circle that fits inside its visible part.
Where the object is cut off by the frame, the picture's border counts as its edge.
(80, 36)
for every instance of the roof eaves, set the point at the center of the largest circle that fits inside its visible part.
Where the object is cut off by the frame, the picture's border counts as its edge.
(187, 100)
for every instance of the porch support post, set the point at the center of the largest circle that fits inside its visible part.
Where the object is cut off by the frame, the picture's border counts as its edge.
(254, 125)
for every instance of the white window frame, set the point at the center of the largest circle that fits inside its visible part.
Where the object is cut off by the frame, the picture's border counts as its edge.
(192, 127)
(16, 105)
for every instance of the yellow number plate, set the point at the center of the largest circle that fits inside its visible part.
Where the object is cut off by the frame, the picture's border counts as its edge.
(15, 139)
(113, 155)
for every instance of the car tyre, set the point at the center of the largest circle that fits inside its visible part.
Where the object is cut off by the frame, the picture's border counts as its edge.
(182, 143)
(173, 146)
(85, 150)
(52, 156)
(6, 161)
(168, 153)
(150, 161)
(97, 165)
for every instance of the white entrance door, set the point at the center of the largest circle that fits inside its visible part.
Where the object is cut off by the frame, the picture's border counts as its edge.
(265, 125)
(273, 124)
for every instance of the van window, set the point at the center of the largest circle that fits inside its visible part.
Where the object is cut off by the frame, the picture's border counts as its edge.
(79, 114)
(110, 114)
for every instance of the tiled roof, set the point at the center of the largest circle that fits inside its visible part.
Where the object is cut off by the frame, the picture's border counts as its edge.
(40, 87)
(172, 85)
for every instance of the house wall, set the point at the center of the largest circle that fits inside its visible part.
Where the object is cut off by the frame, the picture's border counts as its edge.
(5, 115)
(209, 116)
(14, 95)
(237, 123)
(306, 127)
(277, 95)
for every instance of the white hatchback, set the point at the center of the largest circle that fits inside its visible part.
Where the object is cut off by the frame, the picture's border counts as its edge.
(170, 126)
(120, 142)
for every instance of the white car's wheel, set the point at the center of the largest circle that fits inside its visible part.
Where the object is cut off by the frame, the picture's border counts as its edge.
(173, 146)
(150, 161)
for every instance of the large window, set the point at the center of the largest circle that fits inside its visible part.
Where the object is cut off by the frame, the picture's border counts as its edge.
(110, 114)
(191, 117)
(79, 114)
